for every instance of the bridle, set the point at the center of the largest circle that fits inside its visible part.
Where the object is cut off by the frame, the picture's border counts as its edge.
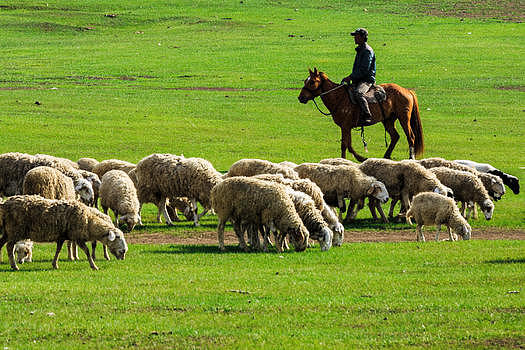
(320, 95)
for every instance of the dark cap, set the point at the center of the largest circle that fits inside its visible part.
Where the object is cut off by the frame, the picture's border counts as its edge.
(360, 31)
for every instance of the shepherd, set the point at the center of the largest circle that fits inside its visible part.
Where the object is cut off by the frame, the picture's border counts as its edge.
(364, 103)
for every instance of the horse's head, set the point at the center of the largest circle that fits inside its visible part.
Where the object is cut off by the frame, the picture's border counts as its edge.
(312, 86)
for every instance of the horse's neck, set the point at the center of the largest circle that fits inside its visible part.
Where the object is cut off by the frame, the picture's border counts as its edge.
(334, 99)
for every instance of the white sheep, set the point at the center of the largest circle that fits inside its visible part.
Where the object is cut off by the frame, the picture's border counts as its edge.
(48, 220)
(311, 189)
(118, 193)
(342, 181)
(251, 167)
(14, 166)
(403, 180)
(169, 176)
(510, 180)
(429, 208)
(467, 188)
(24, 251)
(87, 163)
(245, 200)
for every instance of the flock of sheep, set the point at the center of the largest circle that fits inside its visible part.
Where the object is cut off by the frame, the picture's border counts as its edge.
(51, 199)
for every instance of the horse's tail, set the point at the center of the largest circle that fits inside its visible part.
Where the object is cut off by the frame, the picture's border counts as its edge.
(416, 126)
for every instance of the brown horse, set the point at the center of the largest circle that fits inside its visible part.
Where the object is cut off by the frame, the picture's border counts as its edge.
(400, 104)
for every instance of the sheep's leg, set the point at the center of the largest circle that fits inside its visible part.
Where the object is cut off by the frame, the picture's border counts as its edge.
(106, 255)
(451, 237)
(3, 240)
(162, 207)
(10, 246)
(342, 206)
(381, 212)
(438, 228)
(140, 215)
(93, 249)
(115, 212)
(204, 211)
(70, 250)
(475, 211)
(220, 234)
(75, 251)
(419, 232)
(266, 237)
(255, 241)
(393, 203)
(464, 211)
(240, 236)
(84, 247)
(195, 215)
(60, 243)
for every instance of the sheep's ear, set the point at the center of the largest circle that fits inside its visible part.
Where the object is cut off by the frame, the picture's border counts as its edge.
(370, 190)
(111, 236)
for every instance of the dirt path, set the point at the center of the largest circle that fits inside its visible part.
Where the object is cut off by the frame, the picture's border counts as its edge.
(210, 237)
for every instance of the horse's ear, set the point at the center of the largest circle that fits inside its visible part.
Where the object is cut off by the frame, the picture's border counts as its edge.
(315, 71)
(310, 71)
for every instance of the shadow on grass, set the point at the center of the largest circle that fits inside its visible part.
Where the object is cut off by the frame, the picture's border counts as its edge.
(202, 249)
(506, 261)
(375, 224)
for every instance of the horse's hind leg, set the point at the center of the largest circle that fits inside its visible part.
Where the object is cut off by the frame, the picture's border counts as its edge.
(389, 125)
(411, 138)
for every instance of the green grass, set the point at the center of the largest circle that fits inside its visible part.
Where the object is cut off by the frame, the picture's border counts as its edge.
(466, 294)
(220, 80)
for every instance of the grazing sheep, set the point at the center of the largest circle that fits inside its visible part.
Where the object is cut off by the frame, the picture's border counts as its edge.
(118, 193)
(429, 208)
(342, 181)
(249, 201)
(493, 184)
(311, 189)
(24, 251)
(338, 161)
(403, 180)
(112, 164)
(251, 167)
(95, 182)
(467, 188)
(48, 220)
(49, 183)
(165, 176)
(437, 162)
(312, 218)
(87, 163)
(14, 166)
(511, 181)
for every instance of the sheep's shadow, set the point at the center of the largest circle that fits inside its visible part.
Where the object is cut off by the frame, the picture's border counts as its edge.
(202, 249)
(506, 261)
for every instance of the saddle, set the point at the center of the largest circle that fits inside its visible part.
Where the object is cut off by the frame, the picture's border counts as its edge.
(376, 94)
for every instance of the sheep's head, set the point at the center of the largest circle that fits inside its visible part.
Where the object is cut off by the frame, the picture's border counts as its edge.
(24, 251)
(299, 237)
(496, 188)
(130, 220)
(339, 231)
(488, 208)
(325, 240)
(378, 190)
(116, 243)
(84, 189)
(464, 231)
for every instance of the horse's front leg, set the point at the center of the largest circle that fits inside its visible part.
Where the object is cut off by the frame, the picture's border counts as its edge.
(346, 143)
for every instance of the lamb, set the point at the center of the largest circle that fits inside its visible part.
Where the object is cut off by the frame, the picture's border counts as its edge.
(169, 176)
(14, 166)
(429, 208)
(250, 167)
(311, 189)
(245, 200)
(24, 251)
(511, 181)
(49, 220)
(467, 188)
(118, 193)
(342, 181)
(87, 163)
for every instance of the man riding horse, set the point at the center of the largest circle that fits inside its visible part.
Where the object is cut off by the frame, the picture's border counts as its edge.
(363, 73)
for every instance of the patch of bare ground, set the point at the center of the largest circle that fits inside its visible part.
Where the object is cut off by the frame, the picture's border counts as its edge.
(210, 237)
(512, 87)
(505, 10)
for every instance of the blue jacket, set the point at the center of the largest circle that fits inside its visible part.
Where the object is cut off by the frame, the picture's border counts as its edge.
(364, 68)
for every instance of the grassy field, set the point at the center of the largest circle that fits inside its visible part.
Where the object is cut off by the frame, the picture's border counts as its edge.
(220, 80)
